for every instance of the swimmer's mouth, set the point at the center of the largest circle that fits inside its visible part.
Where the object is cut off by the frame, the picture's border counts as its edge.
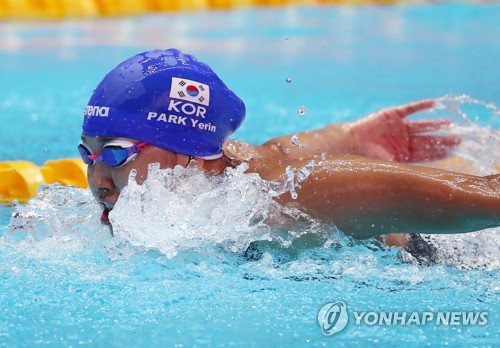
(105, 213)
(105, 216)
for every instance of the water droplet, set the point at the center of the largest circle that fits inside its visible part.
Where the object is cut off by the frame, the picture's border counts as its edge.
(305, 171)
(288, 80)
(294, 141)
(133, 174)
(302, 111)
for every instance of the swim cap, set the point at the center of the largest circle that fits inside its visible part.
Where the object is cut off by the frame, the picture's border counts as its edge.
(167, 99)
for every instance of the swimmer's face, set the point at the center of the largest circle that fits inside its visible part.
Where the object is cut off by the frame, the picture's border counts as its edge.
(107, 182)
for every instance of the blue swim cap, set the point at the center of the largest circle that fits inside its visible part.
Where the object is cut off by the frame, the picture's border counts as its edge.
(167, 99)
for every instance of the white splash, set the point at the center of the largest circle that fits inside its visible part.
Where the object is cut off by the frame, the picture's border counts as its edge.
(184, 208)
(59, 224)
(477, 154)
(294, 178)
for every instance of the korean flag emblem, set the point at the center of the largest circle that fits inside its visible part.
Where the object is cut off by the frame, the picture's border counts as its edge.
(191, 91)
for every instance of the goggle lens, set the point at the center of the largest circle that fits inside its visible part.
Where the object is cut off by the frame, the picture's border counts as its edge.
(85, 153)
(112, 155)
(116, 156)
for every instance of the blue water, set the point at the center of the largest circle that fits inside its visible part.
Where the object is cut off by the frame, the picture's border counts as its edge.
(65, 281)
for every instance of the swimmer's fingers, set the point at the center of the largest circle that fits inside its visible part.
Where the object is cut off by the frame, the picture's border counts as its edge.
(416, 127)
(428, 142)
(404, 110)
(433, 141)
(425, 148)
(423, 156)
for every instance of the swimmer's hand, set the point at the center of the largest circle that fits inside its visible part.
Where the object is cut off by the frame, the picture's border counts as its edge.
(388, 135)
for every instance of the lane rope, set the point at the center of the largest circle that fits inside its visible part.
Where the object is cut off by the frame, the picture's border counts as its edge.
(19, 180)
(60, 9)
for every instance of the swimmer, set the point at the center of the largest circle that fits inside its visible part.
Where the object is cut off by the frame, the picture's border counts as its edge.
(165, 107)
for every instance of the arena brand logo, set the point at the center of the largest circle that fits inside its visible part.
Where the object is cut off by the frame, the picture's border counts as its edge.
(190, 91)
(101, 111)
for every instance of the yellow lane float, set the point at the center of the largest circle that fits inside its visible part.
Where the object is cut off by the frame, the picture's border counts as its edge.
(59, 9)
(19, 180)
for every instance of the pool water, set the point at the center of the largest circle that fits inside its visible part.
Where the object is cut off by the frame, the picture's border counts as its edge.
(174, 273)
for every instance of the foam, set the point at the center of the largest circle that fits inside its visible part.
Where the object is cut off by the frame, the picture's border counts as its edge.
(184, 208)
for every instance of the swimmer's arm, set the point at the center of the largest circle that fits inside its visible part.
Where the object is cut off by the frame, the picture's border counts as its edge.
(385, 135)
(334, 139)
(366, 198)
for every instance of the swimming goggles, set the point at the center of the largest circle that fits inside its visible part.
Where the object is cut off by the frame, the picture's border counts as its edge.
(115, 153)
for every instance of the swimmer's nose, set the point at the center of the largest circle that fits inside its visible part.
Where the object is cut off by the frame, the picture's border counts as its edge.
(99, 178)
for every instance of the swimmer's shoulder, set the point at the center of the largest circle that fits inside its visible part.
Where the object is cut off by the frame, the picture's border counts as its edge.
(255, 156)
(241, 151)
